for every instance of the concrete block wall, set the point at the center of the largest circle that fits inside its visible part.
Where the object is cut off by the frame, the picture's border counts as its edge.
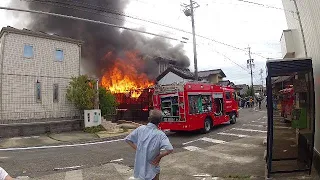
(20, 75)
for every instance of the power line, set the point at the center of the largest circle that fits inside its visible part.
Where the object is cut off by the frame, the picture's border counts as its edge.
(265, 5)
(226, 57)
(88, 20)
(94, 12)
(115, 12)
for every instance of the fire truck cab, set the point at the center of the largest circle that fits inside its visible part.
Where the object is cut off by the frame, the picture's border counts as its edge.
(193, 106)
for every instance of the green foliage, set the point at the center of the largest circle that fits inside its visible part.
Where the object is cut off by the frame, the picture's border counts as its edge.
(81, 92)
(94, 129)
(108, 102)
(250, 91)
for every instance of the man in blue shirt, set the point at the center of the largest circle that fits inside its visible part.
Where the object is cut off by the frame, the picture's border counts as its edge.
(148, 141)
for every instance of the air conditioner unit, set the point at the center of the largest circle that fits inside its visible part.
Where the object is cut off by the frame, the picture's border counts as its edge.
(92, 117)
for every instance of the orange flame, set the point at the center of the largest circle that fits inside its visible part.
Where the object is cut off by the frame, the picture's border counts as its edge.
(124, 77)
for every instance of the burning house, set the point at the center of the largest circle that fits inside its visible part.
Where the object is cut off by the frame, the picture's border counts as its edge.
(126, 62)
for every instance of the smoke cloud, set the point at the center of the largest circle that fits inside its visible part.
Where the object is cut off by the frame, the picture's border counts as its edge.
(100, 39)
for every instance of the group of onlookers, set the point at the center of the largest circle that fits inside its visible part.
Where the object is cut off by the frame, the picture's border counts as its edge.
(248, 102)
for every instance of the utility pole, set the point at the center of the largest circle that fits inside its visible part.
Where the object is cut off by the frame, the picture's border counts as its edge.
(250, 64)
(261, 78)
(189, 11)
(301, 28)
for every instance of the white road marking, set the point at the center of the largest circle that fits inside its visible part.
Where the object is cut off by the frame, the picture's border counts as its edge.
(259, 122)
(74, 175)
(60, 146)
(27, 137)
(242, 145)
(282, 127)
(265, 117)
(201, 175)
(65, 168)
(117, 160)
(231, 134)
(190, 142)
(4, 158)
(192, 148)
(253, 125)
(217, 141)
(249, 130)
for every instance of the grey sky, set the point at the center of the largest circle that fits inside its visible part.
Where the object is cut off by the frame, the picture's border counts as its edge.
(229, 21)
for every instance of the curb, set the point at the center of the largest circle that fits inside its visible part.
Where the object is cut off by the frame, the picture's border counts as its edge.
(122, 136)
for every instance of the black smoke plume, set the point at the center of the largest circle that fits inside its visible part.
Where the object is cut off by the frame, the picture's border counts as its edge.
(100, 39)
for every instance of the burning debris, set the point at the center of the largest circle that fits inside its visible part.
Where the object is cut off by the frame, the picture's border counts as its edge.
(124, 76)
(123, 60)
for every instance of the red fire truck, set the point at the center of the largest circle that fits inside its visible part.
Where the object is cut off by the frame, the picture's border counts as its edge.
(287, 101)
(195, 106)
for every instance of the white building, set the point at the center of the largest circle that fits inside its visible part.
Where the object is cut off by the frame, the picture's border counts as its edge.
(292, 46)
(174, 75)
(35, 71)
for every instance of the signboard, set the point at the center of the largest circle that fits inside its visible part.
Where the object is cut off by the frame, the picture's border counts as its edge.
(217, 95)
(170, 118)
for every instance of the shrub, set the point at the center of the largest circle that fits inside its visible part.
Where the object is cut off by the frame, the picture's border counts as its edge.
(108, 102)
(94, 129)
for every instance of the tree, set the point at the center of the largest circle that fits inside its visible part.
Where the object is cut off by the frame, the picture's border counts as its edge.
(81, 92)
(108, 102)
(249, 91)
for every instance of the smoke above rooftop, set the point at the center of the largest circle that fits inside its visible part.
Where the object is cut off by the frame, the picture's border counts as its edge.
(100, 39)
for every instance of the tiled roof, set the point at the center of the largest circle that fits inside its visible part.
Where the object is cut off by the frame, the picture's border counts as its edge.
(206, 73)
(40, 34)
(182, 72)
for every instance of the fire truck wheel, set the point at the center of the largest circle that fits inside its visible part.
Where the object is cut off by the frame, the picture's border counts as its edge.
(207, 126)
(233, 118)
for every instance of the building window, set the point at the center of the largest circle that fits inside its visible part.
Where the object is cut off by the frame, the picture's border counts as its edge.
(38, 91)
(228, 95)
(28, 51)
(59, 55)
(55, 93)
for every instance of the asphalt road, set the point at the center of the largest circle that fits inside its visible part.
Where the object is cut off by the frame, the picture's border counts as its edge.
(39, 162)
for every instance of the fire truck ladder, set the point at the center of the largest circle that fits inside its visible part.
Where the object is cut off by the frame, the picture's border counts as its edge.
(181, 100)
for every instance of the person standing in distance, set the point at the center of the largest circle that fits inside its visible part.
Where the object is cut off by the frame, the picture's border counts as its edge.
(148, 141)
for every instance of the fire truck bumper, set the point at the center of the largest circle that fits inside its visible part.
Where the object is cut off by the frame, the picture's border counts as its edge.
(176, 126)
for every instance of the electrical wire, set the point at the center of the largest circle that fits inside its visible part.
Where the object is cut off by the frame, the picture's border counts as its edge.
(106, 10)
(87, 20)
(265, 5)
(94, 12)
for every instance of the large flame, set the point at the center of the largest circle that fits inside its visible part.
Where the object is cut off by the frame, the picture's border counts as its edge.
(124, 77)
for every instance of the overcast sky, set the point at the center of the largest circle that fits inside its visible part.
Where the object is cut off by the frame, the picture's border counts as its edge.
(229, 21)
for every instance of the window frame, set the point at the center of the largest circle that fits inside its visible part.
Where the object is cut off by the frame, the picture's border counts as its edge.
(55, 57)
(228, 92)
(38, 100)
(23, 52)
(55, 87)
